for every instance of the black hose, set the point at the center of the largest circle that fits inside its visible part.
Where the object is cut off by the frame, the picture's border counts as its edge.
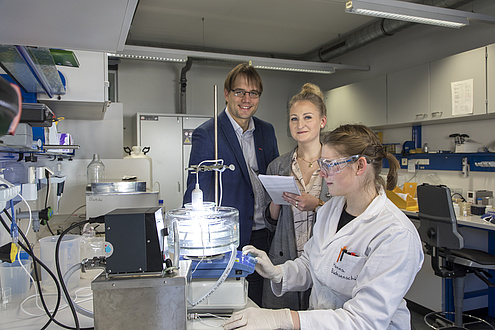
(60, 275)
(30, 251)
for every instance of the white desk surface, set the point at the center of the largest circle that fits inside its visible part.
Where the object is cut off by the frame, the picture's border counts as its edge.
(15, 319)
(473, 221)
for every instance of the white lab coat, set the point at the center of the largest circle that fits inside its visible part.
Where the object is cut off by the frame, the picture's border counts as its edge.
(361, 291)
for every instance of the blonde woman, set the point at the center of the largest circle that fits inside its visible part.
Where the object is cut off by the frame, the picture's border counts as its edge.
(292, 224)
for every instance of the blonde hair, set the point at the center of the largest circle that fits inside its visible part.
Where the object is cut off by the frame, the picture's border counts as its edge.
(312, 93)
(351, 140)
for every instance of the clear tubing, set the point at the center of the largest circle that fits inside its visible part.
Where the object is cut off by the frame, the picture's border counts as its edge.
(66, 278)
(222, 278)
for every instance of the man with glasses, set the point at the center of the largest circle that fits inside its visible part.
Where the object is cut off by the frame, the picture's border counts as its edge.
(250, 145)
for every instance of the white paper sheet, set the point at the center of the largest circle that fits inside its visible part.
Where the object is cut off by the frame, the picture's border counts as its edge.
(275, 185)
(462, 97)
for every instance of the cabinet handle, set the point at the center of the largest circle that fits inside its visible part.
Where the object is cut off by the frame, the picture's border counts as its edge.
(178, 186)
(421, 116)
(437, 114)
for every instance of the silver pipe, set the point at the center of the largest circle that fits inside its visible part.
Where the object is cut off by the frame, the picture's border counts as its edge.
(215, 115)
(176, 244)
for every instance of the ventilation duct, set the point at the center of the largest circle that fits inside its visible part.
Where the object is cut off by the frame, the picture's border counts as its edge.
(372, 32)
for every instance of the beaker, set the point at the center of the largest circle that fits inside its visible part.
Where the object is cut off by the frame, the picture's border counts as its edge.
(69, 255)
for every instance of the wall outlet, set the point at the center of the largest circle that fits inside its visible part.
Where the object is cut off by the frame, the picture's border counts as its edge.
(404, 161)
(423, 161)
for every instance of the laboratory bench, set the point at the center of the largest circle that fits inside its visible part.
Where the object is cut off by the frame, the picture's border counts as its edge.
(14, 318)
(478, 234)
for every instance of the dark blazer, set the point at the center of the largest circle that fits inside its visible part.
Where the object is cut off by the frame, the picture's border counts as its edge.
(237, 189)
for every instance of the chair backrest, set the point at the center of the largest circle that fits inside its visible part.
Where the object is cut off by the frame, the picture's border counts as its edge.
(438, 224)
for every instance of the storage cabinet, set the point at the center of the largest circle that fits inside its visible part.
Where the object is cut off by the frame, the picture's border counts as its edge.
(408, 95)
(86, 94)
(490, 70)
(363, 102)
(169, 139)
(456, 68)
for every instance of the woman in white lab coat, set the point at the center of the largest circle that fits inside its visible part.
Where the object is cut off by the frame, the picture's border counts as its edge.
(364, 253)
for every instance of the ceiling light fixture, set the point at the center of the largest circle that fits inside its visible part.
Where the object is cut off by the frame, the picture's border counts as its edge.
(175, 55)
(413, 12)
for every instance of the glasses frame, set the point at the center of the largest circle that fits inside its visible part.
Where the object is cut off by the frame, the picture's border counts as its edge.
(252, 94)
(327, 165)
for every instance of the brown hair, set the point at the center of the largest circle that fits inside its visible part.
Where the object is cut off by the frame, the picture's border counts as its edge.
(351, 140)
(312, 93)
(246, 70)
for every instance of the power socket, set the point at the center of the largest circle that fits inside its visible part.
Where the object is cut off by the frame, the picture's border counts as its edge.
(423, 161)
(404, 161)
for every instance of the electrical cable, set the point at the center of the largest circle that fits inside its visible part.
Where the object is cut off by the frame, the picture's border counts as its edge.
(59, 271)
(30, 214)
(454, 194)
(49, 229)
(47, 188)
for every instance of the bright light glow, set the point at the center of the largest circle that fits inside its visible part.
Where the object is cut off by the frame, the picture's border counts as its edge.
(407, 18)
(177, 55)
(413, 12)
(150, 58)
(205, 232)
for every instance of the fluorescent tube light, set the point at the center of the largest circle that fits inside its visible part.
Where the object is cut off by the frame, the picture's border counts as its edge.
(264, 63)
(413, 12)
(151, 54)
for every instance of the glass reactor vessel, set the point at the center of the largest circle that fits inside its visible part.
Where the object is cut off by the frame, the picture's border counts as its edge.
(207, 231)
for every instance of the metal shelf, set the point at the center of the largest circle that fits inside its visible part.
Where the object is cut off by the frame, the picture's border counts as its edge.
(478, 162)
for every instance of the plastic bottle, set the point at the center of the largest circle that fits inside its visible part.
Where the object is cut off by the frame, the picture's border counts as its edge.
(139, 152)
(96, 170)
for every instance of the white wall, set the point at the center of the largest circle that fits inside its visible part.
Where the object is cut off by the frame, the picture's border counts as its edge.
(146, 86)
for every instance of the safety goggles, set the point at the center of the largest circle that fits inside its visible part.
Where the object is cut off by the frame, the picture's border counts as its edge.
(334, 166)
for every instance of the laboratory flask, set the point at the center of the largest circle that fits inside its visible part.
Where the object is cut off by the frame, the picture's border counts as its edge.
(96, 170)
(209, 231)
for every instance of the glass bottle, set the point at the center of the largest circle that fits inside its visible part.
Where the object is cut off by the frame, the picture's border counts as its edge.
(96, 170)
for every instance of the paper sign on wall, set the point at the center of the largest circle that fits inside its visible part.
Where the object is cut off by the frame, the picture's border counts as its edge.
(462, 97)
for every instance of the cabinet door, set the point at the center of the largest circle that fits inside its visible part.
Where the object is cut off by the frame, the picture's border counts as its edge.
(363, 102)
(88, 82)
(408, 95)
(490, 70)
(188, 126)
(164, 137)
(455, 69)
(86, 88)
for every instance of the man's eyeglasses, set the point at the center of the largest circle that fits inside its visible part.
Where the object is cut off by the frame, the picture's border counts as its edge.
(334, 166)
(242, 92)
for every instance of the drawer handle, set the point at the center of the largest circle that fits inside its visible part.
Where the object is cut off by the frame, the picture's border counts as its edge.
(437, 114)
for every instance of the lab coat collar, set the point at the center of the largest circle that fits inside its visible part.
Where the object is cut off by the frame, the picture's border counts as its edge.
(371, 213)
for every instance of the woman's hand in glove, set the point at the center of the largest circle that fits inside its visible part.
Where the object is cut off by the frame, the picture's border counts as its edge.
(264, 266)
(259, 318)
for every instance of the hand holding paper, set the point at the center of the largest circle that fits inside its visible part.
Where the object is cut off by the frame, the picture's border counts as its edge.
(275, 185)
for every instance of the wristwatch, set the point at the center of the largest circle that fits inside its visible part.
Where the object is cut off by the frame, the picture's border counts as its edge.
(320, 204)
